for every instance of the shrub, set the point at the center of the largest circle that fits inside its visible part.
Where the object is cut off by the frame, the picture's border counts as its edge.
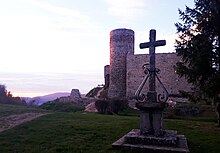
(93, 92)
(62, 106)
(187, 111)
(102, 106)
(111, 106)
(104, 93)
(117, 105)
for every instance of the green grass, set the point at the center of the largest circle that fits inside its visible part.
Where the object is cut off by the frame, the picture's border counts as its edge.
(6, 110)
(203, 137)
(94, 133)
(67, 132)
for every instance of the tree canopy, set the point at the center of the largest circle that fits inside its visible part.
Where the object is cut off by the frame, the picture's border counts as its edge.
(198, 45)
(7, 98)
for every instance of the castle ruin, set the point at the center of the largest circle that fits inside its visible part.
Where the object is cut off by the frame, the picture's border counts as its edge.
(125, 72)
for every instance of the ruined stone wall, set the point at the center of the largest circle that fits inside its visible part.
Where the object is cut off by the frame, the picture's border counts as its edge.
(165, 62)
(125, 72)
(121, 45)
(107, 76)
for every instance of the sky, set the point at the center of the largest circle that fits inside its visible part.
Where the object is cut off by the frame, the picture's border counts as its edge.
(49, 46)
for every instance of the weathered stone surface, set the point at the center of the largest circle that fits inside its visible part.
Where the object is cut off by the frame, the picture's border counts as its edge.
(168, 139)
(121, 44)
(126, 71)
(169, 143)
(75, 93)
(166, 63)
(151, 137)
(107, 76)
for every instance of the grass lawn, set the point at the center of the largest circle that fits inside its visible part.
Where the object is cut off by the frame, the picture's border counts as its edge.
(6, 110)
(93, 133)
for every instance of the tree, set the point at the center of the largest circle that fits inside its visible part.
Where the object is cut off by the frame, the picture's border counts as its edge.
(198, 45)
(7, 98)
(3, 93)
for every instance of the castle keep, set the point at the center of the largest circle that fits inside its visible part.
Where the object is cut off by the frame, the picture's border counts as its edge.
(125, 72)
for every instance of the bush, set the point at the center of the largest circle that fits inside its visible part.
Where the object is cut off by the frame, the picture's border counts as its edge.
(62, 107)
(102, 106)
(111, 106)
(104, 93)
(187, 111)
(93, 92)
(7, 98)
(117, 105)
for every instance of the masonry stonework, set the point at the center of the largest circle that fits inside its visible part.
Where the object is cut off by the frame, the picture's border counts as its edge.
(121, 45)
(107, 76)
(126, 72)
(166, 63)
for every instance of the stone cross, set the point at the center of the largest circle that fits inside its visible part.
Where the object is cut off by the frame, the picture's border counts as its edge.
(152, 137)
(151, 111)
(152, 95)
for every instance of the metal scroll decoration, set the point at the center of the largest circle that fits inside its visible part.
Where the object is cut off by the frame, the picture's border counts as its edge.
(140, 97)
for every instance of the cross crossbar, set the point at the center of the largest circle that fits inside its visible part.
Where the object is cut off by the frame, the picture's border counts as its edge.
(155, 44)
(152, 44)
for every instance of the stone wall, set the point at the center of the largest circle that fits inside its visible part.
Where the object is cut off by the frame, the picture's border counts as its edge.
(121, 45)
(165, 62)
(125, 72)
(107, 76)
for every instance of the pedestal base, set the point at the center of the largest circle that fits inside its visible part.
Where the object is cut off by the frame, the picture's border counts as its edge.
(169, 143)
(151, 118)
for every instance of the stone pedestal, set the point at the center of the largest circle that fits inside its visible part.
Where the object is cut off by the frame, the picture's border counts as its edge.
(151, 118)
(151, 138)
(170, 142)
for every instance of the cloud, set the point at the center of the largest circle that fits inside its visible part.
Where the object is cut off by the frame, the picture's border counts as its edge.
(126, 8)
(57, 9)
(49, 38)
(65, 18)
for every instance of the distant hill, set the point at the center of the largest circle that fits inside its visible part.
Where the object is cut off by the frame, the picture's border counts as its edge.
(39, 100)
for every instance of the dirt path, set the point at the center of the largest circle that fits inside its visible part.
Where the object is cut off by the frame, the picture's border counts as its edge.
(14, 120)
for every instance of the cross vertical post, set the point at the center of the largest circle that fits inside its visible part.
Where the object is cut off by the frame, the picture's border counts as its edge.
(152, 94)
(151, 110)
(152, 82)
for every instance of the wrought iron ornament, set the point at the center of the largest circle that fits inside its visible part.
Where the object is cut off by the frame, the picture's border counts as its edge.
(151, 73)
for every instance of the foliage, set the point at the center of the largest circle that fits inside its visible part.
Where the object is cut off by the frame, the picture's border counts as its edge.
(93, 92)
(7, 98)
(56, 105)
(111, 106)
(187, 110)
(102, 106)
(117, 105)
(104, 94)
(191, 111)
(198, 45)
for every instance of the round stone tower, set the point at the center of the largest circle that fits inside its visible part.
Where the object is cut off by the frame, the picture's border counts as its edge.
(121, 44)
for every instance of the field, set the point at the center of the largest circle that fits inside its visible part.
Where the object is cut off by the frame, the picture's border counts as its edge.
(80, 132)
